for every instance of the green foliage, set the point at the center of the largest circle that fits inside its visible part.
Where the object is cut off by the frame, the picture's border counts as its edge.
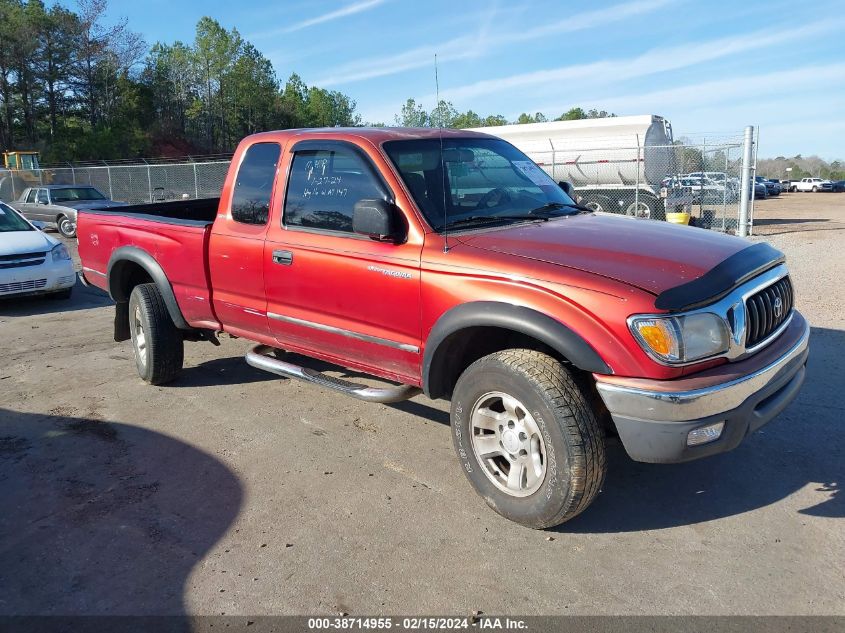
(445, 114)
(575, 114)
(800, 167)
(413, 115)
(76, 86)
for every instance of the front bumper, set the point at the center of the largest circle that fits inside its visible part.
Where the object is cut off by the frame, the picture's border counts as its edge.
(654, 417)
(32, 280)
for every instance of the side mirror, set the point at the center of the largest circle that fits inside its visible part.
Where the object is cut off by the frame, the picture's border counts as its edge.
(43, 202)
(568, 188)
(38, 225)
(375, 219)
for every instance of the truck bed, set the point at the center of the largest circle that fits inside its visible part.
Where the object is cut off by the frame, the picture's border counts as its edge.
(173, 234)
(199, 212)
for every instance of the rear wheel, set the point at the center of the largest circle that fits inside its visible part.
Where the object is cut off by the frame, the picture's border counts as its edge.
(157, 342)
(639, 209)
(526, 437)
(65, 226)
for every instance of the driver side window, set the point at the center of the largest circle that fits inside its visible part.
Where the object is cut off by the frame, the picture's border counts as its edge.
(324, 186)
(42, 197)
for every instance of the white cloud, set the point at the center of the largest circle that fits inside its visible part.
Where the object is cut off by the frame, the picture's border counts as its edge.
(350, 9)
(482, 42)
(608, 72)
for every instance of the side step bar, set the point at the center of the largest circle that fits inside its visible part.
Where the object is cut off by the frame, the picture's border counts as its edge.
(260, 358)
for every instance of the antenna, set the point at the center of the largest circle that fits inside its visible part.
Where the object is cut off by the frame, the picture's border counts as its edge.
(442, 163)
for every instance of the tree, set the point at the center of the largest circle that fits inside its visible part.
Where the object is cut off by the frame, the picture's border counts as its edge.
(103, 52)
(76, 85)
(59, 29)
(413, 115)
(539, 117)
(444, 115)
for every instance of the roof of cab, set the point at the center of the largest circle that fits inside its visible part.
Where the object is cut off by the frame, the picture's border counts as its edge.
(375, 135)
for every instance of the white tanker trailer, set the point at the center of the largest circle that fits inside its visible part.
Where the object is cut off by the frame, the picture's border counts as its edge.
(615, 164)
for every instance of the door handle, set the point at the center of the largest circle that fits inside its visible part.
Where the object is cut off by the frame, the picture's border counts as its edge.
(285, 258)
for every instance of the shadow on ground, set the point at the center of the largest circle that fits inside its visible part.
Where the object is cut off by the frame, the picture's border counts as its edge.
(104, 518)
(221, 371)
(803, 446)
(83, 298)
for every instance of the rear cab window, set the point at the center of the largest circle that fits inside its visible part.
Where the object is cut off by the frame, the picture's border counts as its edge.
(254, 183)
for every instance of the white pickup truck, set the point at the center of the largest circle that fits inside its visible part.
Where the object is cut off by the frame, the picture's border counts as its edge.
(811, 184)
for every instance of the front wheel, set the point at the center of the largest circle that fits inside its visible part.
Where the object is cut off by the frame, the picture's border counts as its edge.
(815, 189)
(158, 344)
(526, 437)
(65, 226)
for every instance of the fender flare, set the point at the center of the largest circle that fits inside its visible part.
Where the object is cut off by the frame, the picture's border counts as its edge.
(115, 275)
(509, 317)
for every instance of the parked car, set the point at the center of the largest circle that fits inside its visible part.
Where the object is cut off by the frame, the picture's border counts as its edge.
(838, 186)
(772, 188)
(548, 326)
(701, 190)
(761, 191)
(731, 183)
(812, 184)
(57, 205)
(785, 185)
(31, 262)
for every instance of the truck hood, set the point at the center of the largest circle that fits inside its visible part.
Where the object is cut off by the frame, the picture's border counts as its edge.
(16, 242)
(653, 256)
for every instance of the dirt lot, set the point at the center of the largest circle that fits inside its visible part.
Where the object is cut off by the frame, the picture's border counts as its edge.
(234, 492)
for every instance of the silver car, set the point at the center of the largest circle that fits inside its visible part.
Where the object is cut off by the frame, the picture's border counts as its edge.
(56, 205)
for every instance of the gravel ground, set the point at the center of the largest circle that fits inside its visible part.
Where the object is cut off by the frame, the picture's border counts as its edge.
(234, 492)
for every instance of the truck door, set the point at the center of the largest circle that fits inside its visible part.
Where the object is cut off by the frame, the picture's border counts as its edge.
(330, 291)
(236, 247)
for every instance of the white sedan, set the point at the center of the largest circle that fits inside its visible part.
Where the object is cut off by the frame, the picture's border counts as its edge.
(31, 262)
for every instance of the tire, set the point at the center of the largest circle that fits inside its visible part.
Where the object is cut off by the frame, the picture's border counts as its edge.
(639, 209)
(815, 189)
(156, 341)
(598, 203)
(61, 294)
(542, 413)
(65, 226)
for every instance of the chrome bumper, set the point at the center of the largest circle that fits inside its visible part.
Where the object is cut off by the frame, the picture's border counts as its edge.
(653, 419)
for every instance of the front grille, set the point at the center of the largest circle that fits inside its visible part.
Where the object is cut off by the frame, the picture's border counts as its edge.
(23, 286)
(21, 260)
(762, 314)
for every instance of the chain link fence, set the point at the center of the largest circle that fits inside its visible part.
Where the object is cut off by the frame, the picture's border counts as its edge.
(134, 184)
(694, 182)
(686, 182)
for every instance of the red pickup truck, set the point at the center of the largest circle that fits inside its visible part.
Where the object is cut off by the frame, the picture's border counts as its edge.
(449, 263)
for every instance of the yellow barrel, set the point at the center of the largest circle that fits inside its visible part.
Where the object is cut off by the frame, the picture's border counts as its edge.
(678, 218)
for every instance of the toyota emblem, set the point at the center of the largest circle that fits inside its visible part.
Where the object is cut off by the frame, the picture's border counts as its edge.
(778, 307)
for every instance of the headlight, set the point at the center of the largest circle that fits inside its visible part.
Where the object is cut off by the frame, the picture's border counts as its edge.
(681, 339)
(60, 253)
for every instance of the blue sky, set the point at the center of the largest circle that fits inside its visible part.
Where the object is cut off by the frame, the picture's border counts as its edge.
(710, 67)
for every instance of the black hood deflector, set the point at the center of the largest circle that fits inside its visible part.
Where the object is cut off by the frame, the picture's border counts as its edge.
(722, 278)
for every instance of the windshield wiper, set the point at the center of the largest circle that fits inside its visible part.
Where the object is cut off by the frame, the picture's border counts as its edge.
(552, 206)
(489, 219)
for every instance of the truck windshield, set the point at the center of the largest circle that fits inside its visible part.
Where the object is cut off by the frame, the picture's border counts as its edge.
(71, 194)
(11, 221)
(486, 180)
